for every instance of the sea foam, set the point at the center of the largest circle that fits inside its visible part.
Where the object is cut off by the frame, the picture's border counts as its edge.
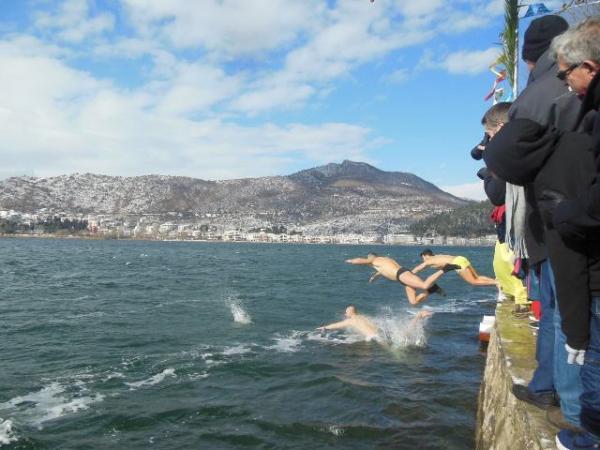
(159, 377)
(51, 402)
(6, 432)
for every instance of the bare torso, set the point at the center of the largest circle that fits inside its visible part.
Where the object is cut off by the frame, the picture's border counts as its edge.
(439, 261)
(364, 326)
(387, 267)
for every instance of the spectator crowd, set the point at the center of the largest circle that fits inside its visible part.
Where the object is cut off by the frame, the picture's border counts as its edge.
(542, 174)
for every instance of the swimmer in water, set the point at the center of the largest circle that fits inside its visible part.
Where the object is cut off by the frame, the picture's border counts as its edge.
(462, 265)
(360, 324)
(357, 322)
(390, 269)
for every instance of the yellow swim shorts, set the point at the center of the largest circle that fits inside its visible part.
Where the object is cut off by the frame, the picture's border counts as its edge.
(462, 262)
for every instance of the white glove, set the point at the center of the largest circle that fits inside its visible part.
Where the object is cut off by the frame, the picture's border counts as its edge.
(574, 356)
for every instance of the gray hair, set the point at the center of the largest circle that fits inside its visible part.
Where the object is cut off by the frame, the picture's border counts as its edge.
(579, 43)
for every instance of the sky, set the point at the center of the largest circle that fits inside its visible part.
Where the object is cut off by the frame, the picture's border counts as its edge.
(221, 89)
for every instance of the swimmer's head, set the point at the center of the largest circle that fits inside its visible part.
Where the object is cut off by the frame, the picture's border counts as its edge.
(426, 254)
(350, 311)
(372, 255)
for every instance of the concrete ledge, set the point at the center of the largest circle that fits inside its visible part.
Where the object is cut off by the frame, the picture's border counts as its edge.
(503, 422)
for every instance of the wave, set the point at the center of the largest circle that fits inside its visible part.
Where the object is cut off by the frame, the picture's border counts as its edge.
(240, 315)
(159, 377)
(236, 350)
(6, 432)
(51, 402)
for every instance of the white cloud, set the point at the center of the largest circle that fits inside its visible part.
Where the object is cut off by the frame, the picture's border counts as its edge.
(74, 22)
(466, 62)
(55, 119)
(204, 68)
(472, 191)
(229, 27)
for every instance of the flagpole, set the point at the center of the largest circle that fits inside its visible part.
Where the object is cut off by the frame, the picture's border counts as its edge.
(515, 87)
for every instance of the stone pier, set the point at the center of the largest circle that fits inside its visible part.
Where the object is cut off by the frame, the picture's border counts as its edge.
(503, 422)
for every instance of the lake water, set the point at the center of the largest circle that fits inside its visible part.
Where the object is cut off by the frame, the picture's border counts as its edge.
(125, 344)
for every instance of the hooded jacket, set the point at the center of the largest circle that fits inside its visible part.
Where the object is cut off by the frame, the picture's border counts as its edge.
(580, 218)
(548, 101)
(557, 166)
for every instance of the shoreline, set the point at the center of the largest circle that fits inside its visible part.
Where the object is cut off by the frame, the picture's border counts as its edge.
(221, 241)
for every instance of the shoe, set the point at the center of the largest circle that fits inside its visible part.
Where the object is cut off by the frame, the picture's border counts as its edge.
(569, 440)
(542, 401)
(436, 289)
(449, 267)
(534, 325)
(555, 417)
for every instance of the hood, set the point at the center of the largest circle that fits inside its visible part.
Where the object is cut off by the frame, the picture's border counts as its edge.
(519, 150)
(591, 101)
(544, 65)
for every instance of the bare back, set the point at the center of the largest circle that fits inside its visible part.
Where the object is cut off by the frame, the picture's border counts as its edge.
(364, 326)
(386, 267)
(439, 261)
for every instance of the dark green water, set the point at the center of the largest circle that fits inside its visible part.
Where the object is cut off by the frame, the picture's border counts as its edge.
(134, 345)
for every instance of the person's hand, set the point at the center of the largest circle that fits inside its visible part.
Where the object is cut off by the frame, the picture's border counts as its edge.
(423, 314)
(574, 356)
(321, 329)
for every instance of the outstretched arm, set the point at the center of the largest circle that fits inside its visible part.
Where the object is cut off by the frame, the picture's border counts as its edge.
(358, 261)
(420, 267)
(336, 325)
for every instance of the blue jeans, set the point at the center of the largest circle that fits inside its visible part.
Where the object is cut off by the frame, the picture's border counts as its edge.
(590, 375)
(567, 377)
(543, 377)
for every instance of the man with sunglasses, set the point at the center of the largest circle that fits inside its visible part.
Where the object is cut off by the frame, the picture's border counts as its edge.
(577, 53)
(548, 101)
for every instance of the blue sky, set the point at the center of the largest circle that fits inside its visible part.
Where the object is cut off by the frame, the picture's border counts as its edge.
(220, 89)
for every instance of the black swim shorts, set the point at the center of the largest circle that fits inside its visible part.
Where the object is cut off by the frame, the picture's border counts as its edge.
(401, 270)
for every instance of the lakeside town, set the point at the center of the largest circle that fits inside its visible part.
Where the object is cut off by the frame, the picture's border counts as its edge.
(152, 227)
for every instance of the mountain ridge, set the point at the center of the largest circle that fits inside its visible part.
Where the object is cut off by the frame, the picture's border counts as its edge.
(331, 195)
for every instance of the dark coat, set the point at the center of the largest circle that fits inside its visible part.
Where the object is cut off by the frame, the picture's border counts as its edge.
(558, 165)
(548, 101)
(579, 219)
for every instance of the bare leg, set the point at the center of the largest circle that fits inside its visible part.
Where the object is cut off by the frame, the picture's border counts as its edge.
(413, 281)
(413, 298)
(471, 278)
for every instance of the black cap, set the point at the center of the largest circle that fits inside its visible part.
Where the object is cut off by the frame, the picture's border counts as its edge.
(539, 35)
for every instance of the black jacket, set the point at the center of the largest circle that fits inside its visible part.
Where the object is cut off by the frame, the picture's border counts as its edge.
(558, 165)
(548, 101)
(580, 218)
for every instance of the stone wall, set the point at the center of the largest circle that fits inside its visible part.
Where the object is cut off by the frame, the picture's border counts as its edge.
(503, 421)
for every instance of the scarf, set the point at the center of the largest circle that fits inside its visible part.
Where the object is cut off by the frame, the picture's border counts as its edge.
(515, 220)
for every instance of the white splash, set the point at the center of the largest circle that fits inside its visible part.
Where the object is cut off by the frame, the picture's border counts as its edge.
(159, 377)
(335, 430)
(239, 313)
(51, 402)
(287, 344)
(6, 432)
(401, 331)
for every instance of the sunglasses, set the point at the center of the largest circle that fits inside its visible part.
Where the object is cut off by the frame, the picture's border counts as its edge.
(563, 74)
